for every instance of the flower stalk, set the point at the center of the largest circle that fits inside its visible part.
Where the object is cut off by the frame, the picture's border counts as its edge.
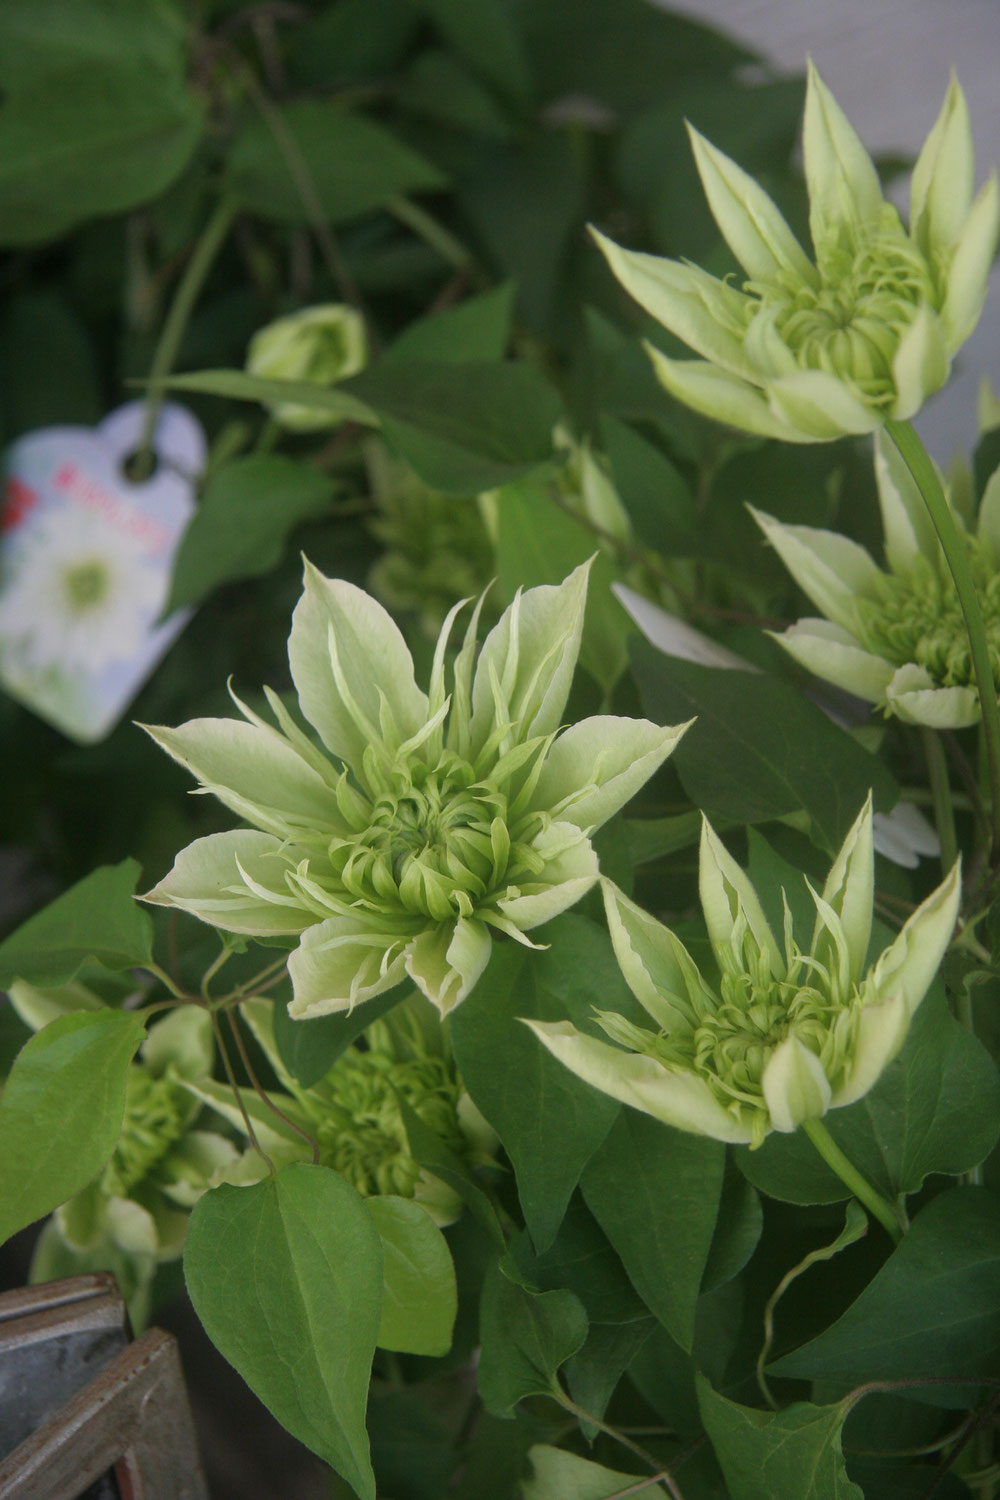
(852, 1178)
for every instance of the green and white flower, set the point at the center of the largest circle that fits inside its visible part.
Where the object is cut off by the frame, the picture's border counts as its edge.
(780, 1036)
(805, 352)
(354, 1113)
(134, 1216)
(895, 637)
(320, 344)
(428, 821)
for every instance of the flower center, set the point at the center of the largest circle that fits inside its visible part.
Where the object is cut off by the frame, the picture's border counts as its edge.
(86, 584)
(917, 618)
(156, 1115)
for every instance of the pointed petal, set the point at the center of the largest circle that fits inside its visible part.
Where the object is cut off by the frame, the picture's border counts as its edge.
(910, 963)
(679, 1099)
(675, 637)
(830, 568)
(724, 397)
(823, 406)
(920, 364)
(988, 529)
(598, 764)
(206, 881)
(794, 1085)
(248, 767)
(726, 892)
(707, 314)
(913, 697)
(751, 224)
(969, 270)
(832, 653)
(530, 654)
(569, 873)
(907, 526)
(943, 176)
(844, 190)
(903, 835)
(446, 962)
(850, 892)
(881, 1033)
(342, 698)
(656, 966)
(342, 961)
(181, 1041)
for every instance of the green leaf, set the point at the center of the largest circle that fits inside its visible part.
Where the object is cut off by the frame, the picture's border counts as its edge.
(286, 1276)
(239, 386)
(737, 1230)
(61, 1111)
(437, 1157)
(773, 1455)
(558, 1475)
(351, 164)
(462, 427)
(933, 1310)
(537, 542)
(653, 491)
(419, 1297)
(759, 749)
(96, 114)
(96, 918)
(484, 34)
(239, 529)
(478, 329)
(936, 1108)
(582, 1261)
(309, 1049)
(533, 1098)
(655, 1193)
(526, 1337)
(594, 1371)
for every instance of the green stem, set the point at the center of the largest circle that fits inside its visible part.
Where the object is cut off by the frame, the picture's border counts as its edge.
(176, 322)
(852, 1178)
(917, 460)
(434, 234)
(659, 1475)
(944, 812)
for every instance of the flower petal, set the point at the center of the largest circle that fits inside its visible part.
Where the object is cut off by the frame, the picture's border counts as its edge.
(342, 961)
(920, 364)
(850, 892)
(707, 314)
(527, 662)
(255, 772)
(794, 1085)
(655, 964)
(970, 265)
(914, 698)
(446, 961)
(818, 403)
(726, 895)
(348, 658)
(675, 637)
(206, 881)
(943, 176)
(679, 1099)
(910, 963)
(844, 190)
(881, 1033)
(832, 653)
(830, 568)
(906, 524)
(570, 870)
(751, 224)
(988, 527)
(724, 397)
(903, 835)
(598, 764)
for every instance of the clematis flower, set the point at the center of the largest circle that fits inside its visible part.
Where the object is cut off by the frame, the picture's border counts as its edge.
(896, 637)
(428, 821)
(808, 352)
(780, 1036)
(321, 344)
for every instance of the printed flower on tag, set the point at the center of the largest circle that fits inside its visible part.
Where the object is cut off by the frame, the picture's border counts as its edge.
(428, 821)
(896, 637)
(782, 1035)
(79, 596)
(319, 344)
(804, 352)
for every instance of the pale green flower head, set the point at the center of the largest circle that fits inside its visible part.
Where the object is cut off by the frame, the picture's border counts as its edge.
(807, 352)
(354, 1113)
(134, 1214)
(781, 1035)
(320, 344)
(427, 821)
(895, 636)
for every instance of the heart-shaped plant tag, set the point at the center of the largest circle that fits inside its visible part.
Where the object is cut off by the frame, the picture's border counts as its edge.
(85, 561)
